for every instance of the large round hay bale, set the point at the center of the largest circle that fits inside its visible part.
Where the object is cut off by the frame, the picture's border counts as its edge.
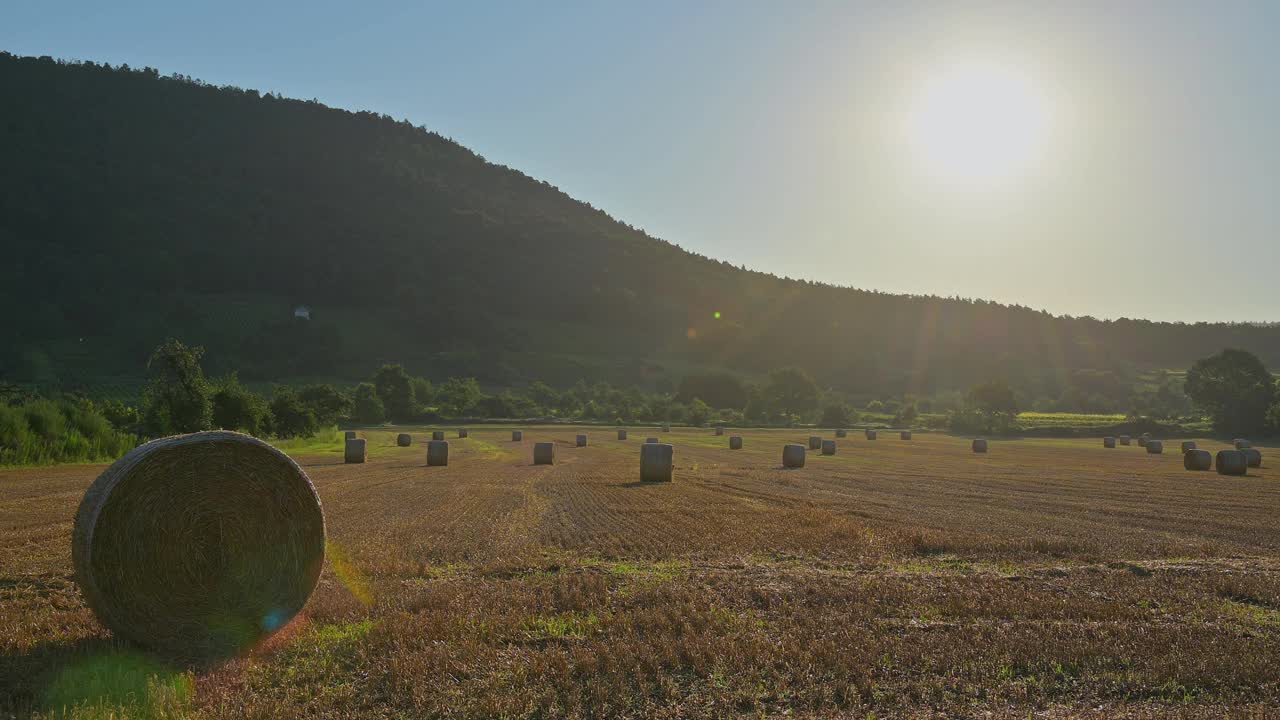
(735, 442)
(905, 435)
(1197, 459)
(349, 435)
(517, 436)
(1253, 457)
(544, 453)
(979, 445)
(649, 441)
(1108, 442)
(1231, 462)
(793, 456)
(198, 546)
(719, 430)
(1155, 447)
(355, 450)
(1188, 446)
(581, 441)
(404, 440)
(871, 434)
(841, 432)
(437, 434)
(815, 442)
(828, 447)
(1241, 443)
(463, 432)
(657, 462)
(438, 453)
(1125, 439)
(622, 434)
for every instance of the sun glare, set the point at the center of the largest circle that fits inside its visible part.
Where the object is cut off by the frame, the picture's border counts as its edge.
(978, 123)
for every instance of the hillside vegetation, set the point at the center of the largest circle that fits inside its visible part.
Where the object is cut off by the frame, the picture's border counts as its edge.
(134, 207)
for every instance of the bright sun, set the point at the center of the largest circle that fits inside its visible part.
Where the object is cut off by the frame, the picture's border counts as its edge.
(978, 123)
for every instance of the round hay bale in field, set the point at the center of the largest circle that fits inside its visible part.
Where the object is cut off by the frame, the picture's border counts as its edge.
(463, 432)
(581, 441)
(719, 430)
(793, 456)
(1188, 446)
(1231, 462)
(905, 435)
(1253, 457)
(437, 434)
(657, 462)
(198, 546)
(650, 440)
(735, 442)
(356, 451)
(828, 447)
(1146, 436)
(404, 440)
(1125, 439)
(544, 453)
(666, 428)
(815, 442)
(871, 434)
(1142, 441)
(622, 434)
(1197, 459)
(349, 435)
(1108, 442)
(841, 432)
(517, 436)
(1155, 447)
(979, 445)
(1241, 443)
(438, 453)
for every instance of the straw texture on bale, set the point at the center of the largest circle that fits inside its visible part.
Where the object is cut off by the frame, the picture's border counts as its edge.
(1253, 457)
(463, 432)
(1231, 462)
(1188, 445)
(719, 431)
(437, 434)
(356, 450)
(815, 442)
(657, 462)
(793, 456)
(198, 546)
(842, 433)
(404, 440)
(438, 453)
(1108, 442)
(828, 447)
(1241, 443)
(979, 445)
(1125, 439)
(622, 434)
(871, 434)
(517, 436)
(905, 434)
(1155, 447)
(582, 441)
(349, 435)
(544, 453)
(1197, 460)
(650, 440)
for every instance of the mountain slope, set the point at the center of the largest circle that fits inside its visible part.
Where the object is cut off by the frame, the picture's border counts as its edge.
(135, 206)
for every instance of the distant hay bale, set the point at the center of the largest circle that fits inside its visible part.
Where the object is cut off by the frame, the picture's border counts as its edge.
(517, 436)
(735, 442)
(1197, 460)
(1125, 439)
(622, 434)
(437, 435)
(198, 546)
(657, 462)
(666, 428)
(355, 451)
(544, 453)
(1241, 443)
(828, 447)
(1253, 457)
(842, 433)
(404, 440)
(1231, 462)
(719, 430)
(1146, 436)
(463, 432)
(815, 442)
(349, 435)
(871, 434)
(438, 453)
(979, 445)
(581, 441)
(793, 456)
(1142, 440)
(905, 435)
(650, 440)
(1108, 442)
(1188, 446)
(1155, 447)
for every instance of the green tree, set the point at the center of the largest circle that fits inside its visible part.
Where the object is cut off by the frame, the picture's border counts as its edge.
(368, 406)
(177, 398)
(395, 389)
(698, 413)
(458, 395)
(717, 389)
(290, 415)
(835, 415)
(327, 403)
(1234, 388)
(235, 407)
(792, 391)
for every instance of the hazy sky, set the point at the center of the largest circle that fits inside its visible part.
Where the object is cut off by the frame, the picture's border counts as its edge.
(776, 135)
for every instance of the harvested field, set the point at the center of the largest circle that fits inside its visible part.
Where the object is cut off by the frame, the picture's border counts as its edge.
(1052, 578)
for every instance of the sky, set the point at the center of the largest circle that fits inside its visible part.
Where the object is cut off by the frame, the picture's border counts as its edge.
(1086, 158)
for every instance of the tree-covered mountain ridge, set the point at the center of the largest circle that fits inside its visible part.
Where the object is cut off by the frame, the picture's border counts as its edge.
(135, 206)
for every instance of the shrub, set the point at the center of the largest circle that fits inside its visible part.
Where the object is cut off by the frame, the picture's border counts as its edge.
(235, 407)
(368, 406)
(326, 402)
(835, 415)
(290, 417)
(177, 398)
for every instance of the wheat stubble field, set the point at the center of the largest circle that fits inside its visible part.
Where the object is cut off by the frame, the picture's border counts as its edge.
(1049, 578)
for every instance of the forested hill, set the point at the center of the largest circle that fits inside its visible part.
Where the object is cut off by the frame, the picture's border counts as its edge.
(135, 206)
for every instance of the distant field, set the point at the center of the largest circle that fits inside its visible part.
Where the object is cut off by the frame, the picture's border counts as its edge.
(1049, 578)
(1038, 419)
